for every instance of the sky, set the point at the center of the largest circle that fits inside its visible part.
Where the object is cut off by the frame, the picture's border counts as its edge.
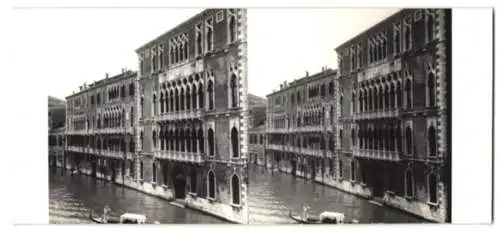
(67, 47)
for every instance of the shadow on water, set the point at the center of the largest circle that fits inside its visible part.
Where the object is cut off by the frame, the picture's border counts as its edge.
(272, 194)
(72, 197)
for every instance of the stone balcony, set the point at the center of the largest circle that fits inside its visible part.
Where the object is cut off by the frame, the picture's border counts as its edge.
(181, 115)
(189, 157)
(377, 154)
(387, 113)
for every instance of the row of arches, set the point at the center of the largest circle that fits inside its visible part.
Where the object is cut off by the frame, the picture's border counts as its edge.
(390, 137)
(303, 141)
(104, 142)
(191, 140)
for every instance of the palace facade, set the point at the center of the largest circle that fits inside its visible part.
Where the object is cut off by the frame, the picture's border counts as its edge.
(392, 108)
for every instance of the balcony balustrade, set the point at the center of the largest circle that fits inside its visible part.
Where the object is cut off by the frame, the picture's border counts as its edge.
(377, 154)
(386, 113)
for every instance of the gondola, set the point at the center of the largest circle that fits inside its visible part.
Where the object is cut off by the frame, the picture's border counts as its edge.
(100, 221)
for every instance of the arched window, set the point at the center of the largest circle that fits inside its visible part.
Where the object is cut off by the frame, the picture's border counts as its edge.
(353, 138)
(432, 187)
(142, 107)
(177, 102)
(407, 34)
(201, 143)
(211, 184)
(234, 91)
(235, 143)
(162, 137)
(201, 99)
(193, 96)
(188, 98)
(188, 140)
(341, 134)
(182, 99)
(154, 104)
(131, 89)
(211, 142)
(431, 136)
(399, 136)
(235, 187)
(232, 28)
(210, 91)
(193, 140)
(387, 96)
(430, 27)
(409, 138)
(199, 49)
(181, 139)
(353, 170)
(154, 139)
(409, 183)
(142, 140)
(186, 45)
(209, 34)
(408, 89)
(181, 51)
(154, 172)
(399, 95)
(162, 99)
(172, 100)
(142, 170)
(392, 95)
(431, 89)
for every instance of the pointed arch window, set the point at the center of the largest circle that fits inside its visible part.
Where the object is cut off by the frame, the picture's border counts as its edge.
(431, 89)
(235, 189)
(193, 96)
(232, 25)
(409, 140)
(211, 142)
(154, 139)
(188, 98)
(162, 99)
(199, 38)
(234, 90)
(409, 183)
(142, 140)
(154, 104)
(209, 34)
(353, 171)
(201, 99)
(154, 172)
(210, 92)
(181, 99)
(211, 184)
(235, 143)
(409, 93)
(432, 186)
(201, 142)
(142, 170)
(432, 141)
(407, 33)
(397, 38)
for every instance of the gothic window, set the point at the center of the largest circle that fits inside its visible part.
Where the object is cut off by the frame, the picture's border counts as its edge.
(409, 141)
(353, 137)
(407, 34)
(130, 89)
(209, 34)
(232, 25)
(172, 100)
(177, 102)
(397, 38)
(201, 99)
(186, 46)
(211, 142)
(432, 185)
(235, 142)
(142, 170)
(430, 27)
(154, 139)
(210, 91)
(235, 187)
(142, 140)
(154, 172)
(193, 140)
(409, 183)
(154, 104)
(234, 91)
(353, 171)
(409, 93)
(193, 97)
(142, 107)
(341, 169)
(360, 55)
(199, 48)
(211, 184)
(162, 99)
(431, 136)
(182, 99)
(188, 98)
(431, 89)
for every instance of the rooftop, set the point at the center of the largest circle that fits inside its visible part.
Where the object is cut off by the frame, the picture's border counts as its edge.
(306, 79)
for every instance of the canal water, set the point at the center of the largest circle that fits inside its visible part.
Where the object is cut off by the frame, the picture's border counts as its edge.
(273, 194)
(72, 196)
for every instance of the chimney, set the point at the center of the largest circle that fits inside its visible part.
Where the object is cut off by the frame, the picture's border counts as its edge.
(307, 73)
(107, 75)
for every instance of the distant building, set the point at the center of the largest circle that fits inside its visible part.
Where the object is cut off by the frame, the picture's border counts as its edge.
(392, 112)
(57, 112)
(257, 111)
(300, 127)
(100, 128)
(257, 146)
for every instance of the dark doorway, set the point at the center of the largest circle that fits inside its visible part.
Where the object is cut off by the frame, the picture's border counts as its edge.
(180, 187)
(378, 183)
(293, 162)
(113, 170)
(94, 167)
(313, 169)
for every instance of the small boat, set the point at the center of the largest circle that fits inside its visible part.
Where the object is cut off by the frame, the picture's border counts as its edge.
(324, 218)
(99, 220)
(126, 218)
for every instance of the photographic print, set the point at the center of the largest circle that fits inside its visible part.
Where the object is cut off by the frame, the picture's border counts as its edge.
(251, 116)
